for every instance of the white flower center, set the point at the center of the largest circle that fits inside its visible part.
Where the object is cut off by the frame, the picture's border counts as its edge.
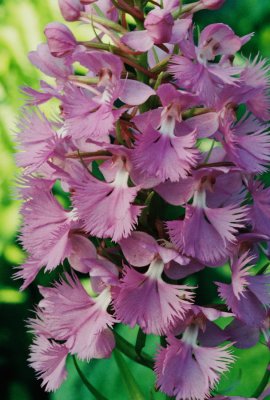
(104, 298)
(167, 126)
(199, 199)
(73, 215)
(190, 335)
(121, 178)
(107, 95)
(207, 52)
(62, 132)
(155, 269)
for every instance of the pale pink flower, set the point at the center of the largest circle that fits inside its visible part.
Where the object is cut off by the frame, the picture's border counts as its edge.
(70, 314)
(92, 197)
(48, 359)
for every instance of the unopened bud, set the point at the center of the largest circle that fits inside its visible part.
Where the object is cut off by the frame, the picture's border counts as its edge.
(86, 2)
(60, 39)
(159, 24)
(209, 5)
(70, 9)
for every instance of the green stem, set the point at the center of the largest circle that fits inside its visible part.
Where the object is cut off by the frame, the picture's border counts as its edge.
(138, 68)
(195, 111)
(100, 153)
(140, 342)
(210, 151)
(84, 79)
(135, 12)
(105, 22)
(126, 348)
(159, 80)
(143, 62)
(90, 387)
(142, 77)
(118, 133)
(178, 12)
(216, 164)
(144, 218)
(102, 46)
(161, 65)
(263, 383)
(263, 269)
(184, 9)
(122, 52)
(124, 56)
(84, 163)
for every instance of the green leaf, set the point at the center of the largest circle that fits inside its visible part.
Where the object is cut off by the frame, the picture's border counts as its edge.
(128, 349)
(90, 387)
(134, 390)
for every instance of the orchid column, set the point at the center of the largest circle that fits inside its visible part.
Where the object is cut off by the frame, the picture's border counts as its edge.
(158, 150)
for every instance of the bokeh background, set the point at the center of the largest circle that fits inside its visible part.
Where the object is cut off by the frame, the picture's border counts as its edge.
(21, 29)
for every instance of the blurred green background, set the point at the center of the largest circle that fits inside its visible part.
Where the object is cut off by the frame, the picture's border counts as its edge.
(21, 27)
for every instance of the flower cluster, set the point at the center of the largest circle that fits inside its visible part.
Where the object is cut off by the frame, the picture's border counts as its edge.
(158, 147)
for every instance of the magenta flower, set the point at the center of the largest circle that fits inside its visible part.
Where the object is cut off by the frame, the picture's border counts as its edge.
(38, 136)
(207, 233)
(247, 144)
(183, 362)
(247, 296)
(177, 154)
(71, 315)
(209, 333)
(145, 298)
(70, 9)
(171, 140)
(84, 258)
(50, 65)
(60, 39)
(209, 4)
(159, 24)
(242, 335)
(151, 170)
(160, 27)
(259, 212)
(93, 196)
(194, 69)
(254, 88)
(36, 97)
(105, 6)
(96, 116)
(52, 225)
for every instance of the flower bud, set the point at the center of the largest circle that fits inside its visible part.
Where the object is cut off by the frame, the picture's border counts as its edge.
(86, 2)
(159, 24)
(213, 4)
(70, 9)
(60, 39)
(209, 4)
